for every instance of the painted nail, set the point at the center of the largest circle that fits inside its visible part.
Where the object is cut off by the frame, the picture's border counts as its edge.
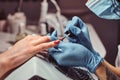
(57, 42)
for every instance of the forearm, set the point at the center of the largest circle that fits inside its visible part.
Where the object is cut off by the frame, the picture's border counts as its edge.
(101, 72)
(10, 60)
(106, 71)
(113, 69)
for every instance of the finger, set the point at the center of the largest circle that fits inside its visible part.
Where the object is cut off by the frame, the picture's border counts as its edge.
(75, 30)
(47, 45)
(76, 21)
(68, 27)
(41, 40)
(54, 33)
(74, 33)
(80, 27)
(54, 36)
(32, 37)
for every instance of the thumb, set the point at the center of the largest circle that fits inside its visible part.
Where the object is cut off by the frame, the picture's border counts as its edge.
(54, 35)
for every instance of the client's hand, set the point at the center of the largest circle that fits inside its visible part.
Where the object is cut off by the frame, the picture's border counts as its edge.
(23, 50)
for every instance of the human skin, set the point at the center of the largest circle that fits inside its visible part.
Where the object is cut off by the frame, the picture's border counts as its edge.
(23, 50)
(101, 72)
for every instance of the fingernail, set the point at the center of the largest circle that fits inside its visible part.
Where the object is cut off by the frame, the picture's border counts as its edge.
(57, 42)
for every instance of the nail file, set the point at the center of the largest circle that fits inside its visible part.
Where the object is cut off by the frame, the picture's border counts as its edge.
(64, 37)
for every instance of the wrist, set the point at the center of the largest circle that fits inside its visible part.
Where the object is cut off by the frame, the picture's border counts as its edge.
(101, 69)
(97, 60)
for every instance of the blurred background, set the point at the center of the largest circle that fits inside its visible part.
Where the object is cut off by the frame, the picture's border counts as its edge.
(108, 30)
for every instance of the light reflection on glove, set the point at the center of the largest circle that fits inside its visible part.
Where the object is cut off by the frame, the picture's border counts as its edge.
(79, 32)
(72, 54)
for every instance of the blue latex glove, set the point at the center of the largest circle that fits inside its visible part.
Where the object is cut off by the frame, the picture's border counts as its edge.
(79, 32)
(54, 35)
(72, 54)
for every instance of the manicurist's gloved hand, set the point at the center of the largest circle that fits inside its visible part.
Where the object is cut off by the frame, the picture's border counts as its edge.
(78, 32)
(75, 55)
